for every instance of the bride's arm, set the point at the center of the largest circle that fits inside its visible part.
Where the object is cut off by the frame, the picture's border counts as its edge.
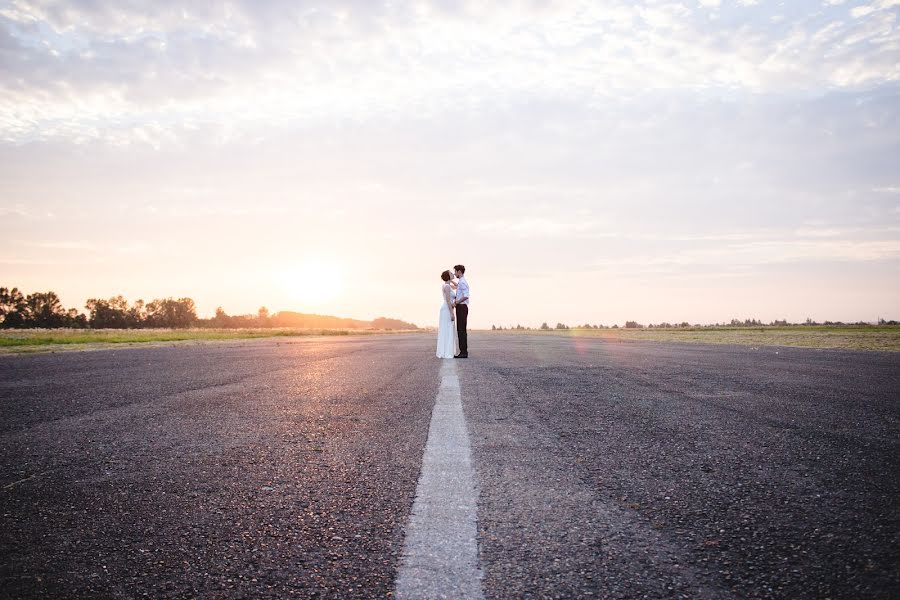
(448, 300)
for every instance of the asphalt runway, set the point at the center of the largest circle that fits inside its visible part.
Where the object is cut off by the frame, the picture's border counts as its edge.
(289, 468)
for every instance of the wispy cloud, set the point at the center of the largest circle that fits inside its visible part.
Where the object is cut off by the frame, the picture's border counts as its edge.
(17, 210)
(61, 245)
(536, 227)
(818, 246)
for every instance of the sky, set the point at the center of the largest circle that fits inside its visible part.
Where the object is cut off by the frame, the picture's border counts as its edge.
(587, 161)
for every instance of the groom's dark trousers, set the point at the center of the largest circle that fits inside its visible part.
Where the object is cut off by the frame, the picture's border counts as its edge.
(462, 316)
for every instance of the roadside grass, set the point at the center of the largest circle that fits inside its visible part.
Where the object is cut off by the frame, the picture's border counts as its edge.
(851, 337)
(38, 340)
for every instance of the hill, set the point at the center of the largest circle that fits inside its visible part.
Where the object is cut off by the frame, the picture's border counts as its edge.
(288, 318)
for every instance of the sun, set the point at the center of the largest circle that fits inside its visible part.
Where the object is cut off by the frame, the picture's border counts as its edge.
(314, 282)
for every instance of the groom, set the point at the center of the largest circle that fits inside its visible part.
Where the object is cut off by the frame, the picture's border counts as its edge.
(462, 310)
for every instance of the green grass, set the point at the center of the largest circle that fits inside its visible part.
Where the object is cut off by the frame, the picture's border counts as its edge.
(38, 340)
(885, 338)
(881, 337)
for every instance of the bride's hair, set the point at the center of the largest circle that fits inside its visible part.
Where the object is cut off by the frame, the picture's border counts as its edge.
(445, 275)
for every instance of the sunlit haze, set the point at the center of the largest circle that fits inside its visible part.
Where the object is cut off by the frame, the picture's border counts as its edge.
(587, 161)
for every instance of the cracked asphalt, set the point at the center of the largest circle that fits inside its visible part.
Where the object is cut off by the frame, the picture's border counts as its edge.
(288, 468)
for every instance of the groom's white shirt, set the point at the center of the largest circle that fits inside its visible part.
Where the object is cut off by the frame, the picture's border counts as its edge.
(462, 290)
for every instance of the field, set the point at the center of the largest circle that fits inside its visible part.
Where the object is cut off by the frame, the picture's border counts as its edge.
(44, 340)
(884, 338)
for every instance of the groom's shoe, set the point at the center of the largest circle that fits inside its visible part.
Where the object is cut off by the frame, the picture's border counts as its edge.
(461, 356)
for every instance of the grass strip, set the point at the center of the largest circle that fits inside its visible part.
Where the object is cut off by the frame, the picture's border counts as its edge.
(30, 340)
(881, 338)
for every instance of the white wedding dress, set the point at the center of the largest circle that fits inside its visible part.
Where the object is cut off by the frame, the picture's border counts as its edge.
(448, 339)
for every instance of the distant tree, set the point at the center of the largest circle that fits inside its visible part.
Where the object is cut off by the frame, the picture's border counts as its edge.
(173, 313)
(632, 325)
(39, 309)
(561, 326)
(13, 309)
(544, 326)
(221, 318)
(262, 317)
(45, 310)
(76, 319)
(136, 316)
(109, 314)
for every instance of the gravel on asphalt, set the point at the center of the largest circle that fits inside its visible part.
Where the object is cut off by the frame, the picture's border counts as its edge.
(605, 469)
(264, 468)
(653, 470)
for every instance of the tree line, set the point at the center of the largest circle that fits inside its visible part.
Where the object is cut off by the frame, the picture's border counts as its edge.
(684, 324)
(45, 310)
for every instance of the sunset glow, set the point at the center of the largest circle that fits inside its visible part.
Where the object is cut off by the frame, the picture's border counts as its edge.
(587, 161)
(314, 283)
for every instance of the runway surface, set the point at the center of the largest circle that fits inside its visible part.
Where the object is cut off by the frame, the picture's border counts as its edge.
(289, 468)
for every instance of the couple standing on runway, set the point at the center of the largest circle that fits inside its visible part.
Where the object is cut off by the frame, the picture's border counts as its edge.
(453, 342)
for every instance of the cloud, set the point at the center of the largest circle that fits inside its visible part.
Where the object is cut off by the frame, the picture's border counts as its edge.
(17, 210)
(4, 260)
(536, 227)
(62, 245)
(743, 256)
(140, 74)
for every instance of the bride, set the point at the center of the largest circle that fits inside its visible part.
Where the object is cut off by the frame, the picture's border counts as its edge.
(447, 341)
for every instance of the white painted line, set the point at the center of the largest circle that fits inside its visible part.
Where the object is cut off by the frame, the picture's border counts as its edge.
(440, 552)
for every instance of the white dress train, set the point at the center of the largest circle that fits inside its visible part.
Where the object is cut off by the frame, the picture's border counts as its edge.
(448, 339)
